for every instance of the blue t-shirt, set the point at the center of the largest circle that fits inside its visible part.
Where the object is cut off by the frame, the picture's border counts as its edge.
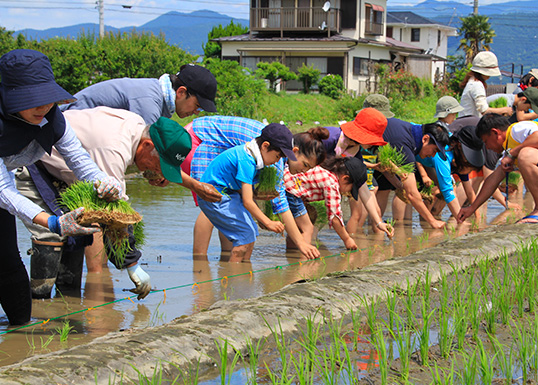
(231, 169)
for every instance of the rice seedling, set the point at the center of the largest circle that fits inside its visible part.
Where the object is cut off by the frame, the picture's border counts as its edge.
(424, 334)
(423, 238)
(113, 217)
(534, 360)
(226, 369)
(503, 299)
(253, 352)
(266, 187)
(282, 347)
(490, 316)
(356, 326)
(392, 160)
(514, 179)
(392, 301)
(304, 375)
(382, 354)
(410, 304)
(504, 360)
(460, 325)
(520, 292)
(500, 102)
(441, 376)
(426, 288)
(470, 369)
(64, 330)
(485, 364)
(525, 348)
(405, 342)
(391, 223)
(371, 313)
(426, 191)
(191, 375)
(475, 310)
(447, 331)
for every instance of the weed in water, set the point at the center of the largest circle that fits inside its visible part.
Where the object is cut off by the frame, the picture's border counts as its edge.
(64, 331)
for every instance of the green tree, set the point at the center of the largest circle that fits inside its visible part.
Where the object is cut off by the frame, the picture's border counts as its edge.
(476, 35)
(213, 49)
(332, 85)
(238, 92)
(273, 72)
(309, 76)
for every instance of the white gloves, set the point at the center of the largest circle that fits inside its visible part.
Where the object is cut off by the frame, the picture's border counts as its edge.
(141, 279)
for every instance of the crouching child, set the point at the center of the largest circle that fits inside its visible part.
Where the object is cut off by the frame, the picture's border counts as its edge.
(233, 173)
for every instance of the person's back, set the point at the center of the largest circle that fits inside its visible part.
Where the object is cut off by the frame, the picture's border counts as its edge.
(141, 96)
(399, 134)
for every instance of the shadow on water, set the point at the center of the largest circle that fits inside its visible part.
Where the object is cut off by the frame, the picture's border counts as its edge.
(169, 214)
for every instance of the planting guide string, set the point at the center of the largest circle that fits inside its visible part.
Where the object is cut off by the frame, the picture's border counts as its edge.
(223, 280)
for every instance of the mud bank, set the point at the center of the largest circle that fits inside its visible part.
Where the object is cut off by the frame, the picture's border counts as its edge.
(187, 340)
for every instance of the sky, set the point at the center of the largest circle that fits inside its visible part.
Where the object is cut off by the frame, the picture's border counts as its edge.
(44, 14)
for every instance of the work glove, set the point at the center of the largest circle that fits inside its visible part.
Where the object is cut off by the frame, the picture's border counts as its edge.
(66, 224)
(108, 188)
(141, 279)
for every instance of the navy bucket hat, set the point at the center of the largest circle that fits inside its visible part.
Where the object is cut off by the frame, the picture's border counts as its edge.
(28, 81)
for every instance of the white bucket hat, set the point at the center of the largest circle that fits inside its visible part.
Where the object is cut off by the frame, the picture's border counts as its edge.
(486, 63)
(447, 105)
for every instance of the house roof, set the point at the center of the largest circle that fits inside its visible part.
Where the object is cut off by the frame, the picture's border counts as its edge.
(256, 37)
(401, 45)
(410, 18)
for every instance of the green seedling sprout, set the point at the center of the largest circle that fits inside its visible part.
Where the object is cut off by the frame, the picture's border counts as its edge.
(468, 374)
(504, 360)
(392, 301)
(525, 348)
(499, 102)
(424, 333)
(64, 330)
(426, 191)
(382, 354)
(392, 160)
(371, 313)
(251, 367)
(485, 364)
(405, 342)
(82, 194)
(268, 180)
(226, 370)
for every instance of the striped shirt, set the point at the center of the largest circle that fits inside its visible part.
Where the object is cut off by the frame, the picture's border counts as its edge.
(317, 184)
(219, 133)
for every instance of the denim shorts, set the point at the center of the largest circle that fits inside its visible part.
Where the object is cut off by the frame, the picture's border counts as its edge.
(231, 218)
(296, 205)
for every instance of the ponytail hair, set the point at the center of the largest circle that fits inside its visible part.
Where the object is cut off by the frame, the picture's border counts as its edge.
(335, 165)
(310, 143)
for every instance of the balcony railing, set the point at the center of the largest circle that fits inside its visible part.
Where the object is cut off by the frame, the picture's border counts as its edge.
(294, 19)
(373, 28)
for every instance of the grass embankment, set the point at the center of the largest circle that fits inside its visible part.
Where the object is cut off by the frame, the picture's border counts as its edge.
(311, 108)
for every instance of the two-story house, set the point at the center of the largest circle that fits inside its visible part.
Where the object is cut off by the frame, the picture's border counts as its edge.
(430, 36)
(344, 37)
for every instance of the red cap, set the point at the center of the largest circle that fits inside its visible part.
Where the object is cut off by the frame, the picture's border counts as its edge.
(367, 128)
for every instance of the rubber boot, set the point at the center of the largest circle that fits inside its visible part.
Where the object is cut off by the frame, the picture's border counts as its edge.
(70, 273)
(15, 296)
(44, 266)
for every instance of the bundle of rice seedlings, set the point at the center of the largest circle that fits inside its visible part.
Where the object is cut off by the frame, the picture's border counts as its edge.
(500, 102)
(392, 160)
(114, 217)
(513, 182)
(426, 191)
(266, 188)
(400, 193)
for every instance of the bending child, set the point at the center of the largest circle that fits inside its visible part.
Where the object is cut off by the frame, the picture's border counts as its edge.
(337, 177)
(233, 173)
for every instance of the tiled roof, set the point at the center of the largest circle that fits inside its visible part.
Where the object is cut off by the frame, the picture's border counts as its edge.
(408, 18)
(400, 44)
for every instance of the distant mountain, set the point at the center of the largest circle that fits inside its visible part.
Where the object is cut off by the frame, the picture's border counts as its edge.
(186, 30)
(513, 22)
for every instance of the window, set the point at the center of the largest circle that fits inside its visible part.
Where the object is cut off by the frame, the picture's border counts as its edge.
(389, 32)
(415, 34)
(439, 37)
(360, 66)
(374, 19)
(349, 14)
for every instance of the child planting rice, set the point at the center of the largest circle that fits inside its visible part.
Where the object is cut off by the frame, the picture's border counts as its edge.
(233, 173)
(336, 177)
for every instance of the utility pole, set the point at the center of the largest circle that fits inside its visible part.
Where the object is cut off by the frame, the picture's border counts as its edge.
(101, 4)
(475, 8)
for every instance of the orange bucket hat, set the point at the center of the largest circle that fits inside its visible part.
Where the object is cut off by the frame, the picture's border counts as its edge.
(367, 128)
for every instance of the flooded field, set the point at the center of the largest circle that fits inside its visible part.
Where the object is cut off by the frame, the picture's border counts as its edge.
(169, 214)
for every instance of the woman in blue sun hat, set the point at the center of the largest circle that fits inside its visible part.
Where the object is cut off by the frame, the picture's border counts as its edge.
(30, 125)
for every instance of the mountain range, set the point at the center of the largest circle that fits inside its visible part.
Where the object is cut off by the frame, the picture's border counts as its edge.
(514, 23)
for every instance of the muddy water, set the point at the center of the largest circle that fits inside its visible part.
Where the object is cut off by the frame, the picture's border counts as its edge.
(169, 214)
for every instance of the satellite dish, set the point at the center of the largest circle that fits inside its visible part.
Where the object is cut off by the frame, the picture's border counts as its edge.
(326, 6)
(323, 26)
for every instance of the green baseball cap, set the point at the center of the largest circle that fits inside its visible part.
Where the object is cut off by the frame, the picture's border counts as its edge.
(173, 143)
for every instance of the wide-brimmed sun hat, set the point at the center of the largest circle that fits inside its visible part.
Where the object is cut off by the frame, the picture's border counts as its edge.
(447, 105)
(380, 103)
(367, 128)
(486, 63)
(28, 81)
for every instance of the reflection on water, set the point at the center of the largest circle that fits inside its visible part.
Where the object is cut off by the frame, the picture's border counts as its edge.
(169, 214)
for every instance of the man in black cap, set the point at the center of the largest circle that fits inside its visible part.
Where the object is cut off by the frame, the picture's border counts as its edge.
(188, 92)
